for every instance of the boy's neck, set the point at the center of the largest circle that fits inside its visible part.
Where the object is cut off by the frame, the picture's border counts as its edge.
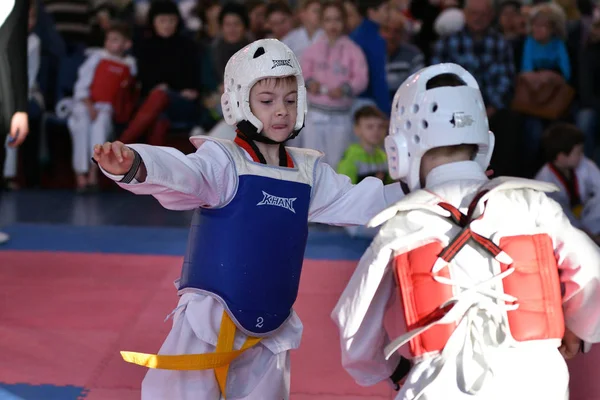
(270, 152)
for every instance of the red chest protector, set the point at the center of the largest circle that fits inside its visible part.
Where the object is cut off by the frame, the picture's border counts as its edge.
(534, 282)
(113, 83)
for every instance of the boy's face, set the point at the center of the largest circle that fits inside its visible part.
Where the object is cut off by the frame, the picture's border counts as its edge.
(273, 102)
(116, 44)
(280, 24)
(571, 160)
(371, 130)
(233, 28)
(165, 25)
(311, 15)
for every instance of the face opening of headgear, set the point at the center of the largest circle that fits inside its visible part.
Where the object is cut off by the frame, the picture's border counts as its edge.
(438, 106)
(262, 59)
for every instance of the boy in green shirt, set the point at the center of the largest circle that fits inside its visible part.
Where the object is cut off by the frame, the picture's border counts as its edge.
(366, 158)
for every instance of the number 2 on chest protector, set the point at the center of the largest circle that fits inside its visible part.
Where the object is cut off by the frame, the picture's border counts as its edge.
(259, 322)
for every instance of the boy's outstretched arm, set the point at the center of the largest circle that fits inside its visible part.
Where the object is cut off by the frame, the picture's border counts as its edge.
(336, 201)
(205, 178)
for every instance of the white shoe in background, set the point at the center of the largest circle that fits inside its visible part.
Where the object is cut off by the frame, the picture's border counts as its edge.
(4, 237)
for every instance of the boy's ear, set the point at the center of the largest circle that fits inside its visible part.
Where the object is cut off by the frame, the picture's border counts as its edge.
(128, 44)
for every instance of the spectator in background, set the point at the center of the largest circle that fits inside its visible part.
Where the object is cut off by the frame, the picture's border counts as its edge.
(403, 59)
(353, 18)
(74, 18)
(13, 77)
(168, 73)
(29, 151)
(280, 20)
(374, 13)
(234, 23)
(366, 158)
(208, 11)
(257, 10)
(488, 57)
(335, 71)
(310, 29)
(589, 90)
(513, 26)
(104, 80)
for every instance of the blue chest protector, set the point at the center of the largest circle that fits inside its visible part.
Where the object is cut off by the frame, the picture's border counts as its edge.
(249, 253)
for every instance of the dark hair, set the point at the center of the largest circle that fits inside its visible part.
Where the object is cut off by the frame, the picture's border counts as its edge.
(278, 6)
(252, 4)
(235, 9)
(368, 112)
(444, 80)
(337, 5)
(163, 7)
(560, 138)
(509, 3)
(363, 6)
(121, 28)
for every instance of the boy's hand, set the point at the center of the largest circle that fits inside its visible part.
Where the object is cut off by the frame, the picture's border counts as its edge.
(570, 345)
(115, 158)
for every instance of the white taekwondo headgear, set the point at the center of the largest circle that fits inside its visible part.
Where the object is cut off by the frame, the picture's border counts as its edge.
(265, 58)
(424, 119)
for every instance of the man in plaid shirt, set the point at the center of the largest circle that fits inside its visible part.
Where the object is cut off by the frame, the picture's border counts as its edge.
(483, 52)
(489, 58)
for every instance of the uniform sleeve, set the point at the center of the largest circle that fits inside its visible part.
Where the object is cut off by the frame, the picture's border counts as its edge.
(336, 201)
(205, 178)
(579, 262)
(85, 77)
(359, 316)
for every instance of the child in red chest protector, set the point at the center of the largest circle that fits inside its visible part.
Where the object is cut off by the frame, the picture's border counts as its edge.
(101, 95)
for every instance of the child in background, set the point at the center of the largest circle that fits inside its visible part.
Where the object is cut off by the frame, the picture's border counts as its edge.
(577, 177)
(310, 30)
(336, 71)
(545, 48)
(280, 20)
(104, 80)
(366, 158)
(253, 199)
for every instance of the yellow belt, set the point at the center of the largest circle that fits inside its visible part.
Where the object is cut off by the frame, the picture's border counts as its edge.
(219, 360)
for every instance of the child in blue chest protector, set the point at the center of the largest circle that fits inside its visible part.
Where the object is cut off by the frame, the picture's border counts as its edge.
(253, 197)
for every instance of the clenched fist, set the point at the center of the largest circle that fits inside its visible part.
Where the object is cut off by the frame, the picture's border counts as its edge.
(115, 158)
